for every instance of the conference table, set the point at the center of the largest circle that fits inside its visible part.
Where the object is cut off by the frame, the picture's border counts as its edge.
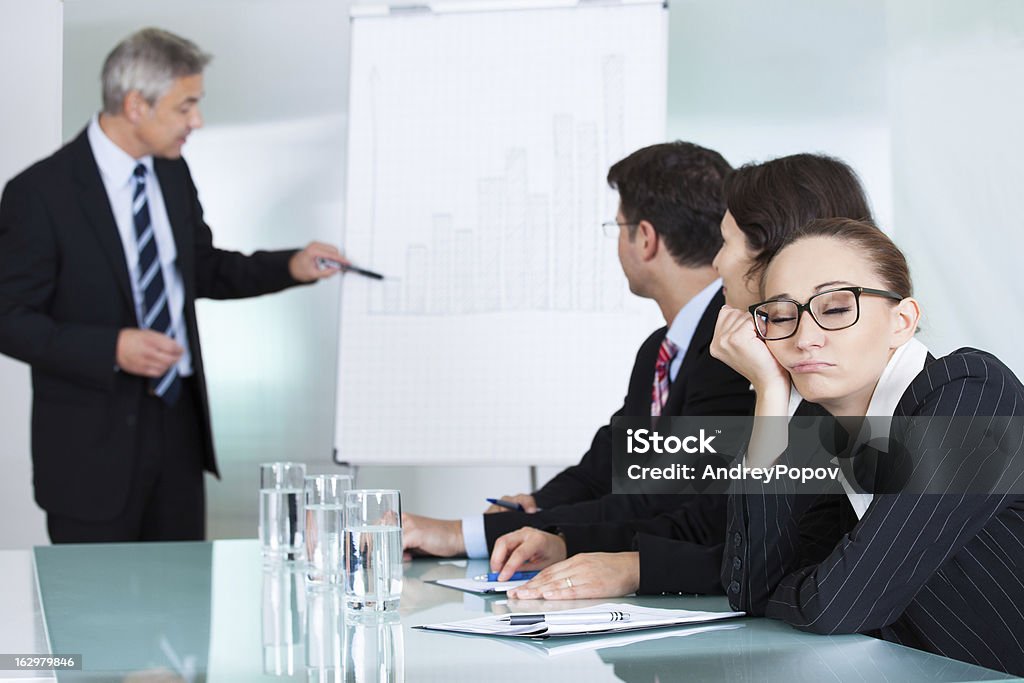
(216, 612)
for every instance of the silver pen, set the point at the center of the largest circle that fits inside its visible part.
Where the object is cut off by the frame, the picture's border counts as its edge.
(565, 618)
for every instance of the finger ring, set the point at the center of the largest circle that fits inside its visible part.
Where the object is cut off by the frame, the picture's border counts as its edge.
(568, 582)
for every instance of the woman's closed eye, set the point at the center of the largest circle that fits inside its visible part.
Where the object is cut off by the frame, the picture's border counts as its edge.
(837, 310)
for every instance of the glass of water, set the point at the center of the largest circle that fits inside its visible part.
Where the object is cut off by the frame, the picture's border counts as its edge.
(373, 550)
(282, 521)
(325, 510)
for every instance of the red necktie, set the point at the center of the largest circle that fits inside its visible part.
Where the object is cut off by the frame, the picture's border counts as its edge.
(659, 392)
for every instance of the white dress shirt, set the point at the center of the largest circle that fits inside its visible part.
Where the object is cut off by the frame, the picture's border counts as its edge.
(117, 169)
(906, 363)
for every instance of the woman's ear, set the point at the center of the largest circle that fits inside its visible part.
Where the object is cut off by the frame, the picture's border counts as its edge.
(906, 316)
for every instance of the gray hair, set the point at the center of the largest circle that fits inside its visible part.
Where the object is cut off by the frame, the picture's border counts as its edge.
(148, 61)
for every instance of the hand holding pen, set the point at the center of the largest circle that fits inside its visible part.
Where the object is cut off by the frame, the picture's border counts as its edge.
(324, 263)
(304, 265)
(526, 547)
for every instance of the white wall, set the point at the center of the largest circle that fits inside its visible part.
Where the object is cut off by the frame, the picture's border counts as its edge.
(30, 52)
(758, 80)
(921, 97)
(956, 107)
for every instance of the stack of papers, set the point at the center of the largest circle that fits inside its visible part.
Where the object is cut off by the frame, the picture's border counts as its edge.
(588, 620)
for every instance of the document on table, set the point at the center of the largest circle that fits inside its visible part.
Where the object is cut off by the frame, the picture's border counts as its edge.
(638, 618)
(474, 586)
(553, 647)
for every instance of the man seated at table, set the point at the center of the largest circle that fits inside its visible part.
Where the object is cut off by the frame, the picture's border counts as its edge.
(670, 208)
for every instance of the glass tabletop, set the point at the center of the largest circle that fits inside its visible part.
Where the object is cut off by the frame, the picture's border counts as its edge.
(215, 612)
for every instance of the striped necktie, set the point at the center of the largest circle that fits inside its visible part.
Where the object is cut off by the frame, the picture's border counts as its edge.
(659, 392)
(156, 313)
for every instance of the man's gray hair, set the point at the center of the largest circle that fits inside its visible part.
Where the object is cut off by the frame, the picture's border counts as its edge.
(148, 61)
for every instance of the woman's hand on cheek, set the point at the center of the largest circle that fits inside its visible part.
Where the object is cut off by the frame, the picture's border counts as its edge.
(737, 345)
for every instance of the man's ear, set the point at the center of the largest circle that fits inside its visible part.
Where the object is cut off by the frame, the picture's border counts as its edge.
(906, 317)
(649, 240)
(134, 107)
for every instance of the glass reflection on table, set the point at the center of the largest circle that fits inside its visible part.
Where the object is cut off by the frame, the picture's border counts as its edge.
(284, 620)
(325, 635)
(374, 648)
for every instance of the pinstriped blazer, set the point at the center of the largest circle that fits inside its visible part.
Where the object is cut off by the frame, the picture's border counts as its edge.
(942, 573)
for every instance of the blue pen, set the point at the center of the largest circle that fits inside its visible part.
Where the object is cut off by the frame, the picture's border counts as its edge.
(505, 504)
(518, 576)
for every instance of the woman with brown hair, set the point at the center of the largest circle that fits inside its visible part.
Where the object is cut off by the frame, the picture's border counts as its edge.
(931, 567)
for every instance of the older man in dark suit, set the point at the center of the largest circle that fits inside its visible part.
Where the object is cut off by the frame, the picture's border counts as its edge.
(103, 252)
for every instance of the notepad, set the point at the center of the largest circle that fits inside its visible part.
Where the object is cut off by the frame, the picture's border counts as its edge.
(640, 618)
(474, 586)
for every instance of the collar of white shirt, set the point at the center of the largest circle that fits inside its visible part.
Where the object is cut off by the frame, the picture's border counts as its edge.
(684, 325)
(906, 363)
(116, 165)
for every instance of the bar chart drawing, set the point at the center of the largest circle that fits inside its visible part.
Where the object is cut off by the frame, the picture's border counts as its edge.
(524, 250)
(479, 145)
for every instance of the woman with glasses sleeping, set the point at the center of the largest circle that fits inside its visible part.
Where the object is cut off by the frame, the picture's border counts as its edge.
(935, 565)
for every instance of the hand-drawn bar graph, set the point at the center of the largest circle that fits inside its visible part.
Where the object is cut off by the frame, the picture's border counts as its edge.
(526, 249)
(479, 144)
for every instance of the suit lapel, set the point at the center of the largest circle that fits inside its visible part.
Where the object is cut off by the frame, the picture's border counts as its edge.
(96, 206)
(175, 197)
(699, 344)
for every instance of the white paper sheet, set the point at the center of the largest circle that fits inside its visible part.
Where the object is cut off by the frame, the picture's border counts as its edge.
(640, 618)
(554, 647)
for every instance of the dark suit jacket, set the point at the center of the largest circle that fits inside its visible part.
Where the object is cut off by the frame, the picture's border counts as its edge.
(939, 572)
(703, 386)
(64, 296)
(671, 531)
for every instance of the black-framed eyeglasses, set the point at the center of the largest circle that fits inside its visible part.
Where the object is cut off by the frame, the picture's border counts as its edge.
(833, 309)
(611, 228)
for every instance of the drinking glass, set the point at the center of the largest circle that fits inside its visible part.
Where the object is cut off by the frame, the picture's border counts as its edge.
(282, 520)
(325, 510)
(373, 549)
